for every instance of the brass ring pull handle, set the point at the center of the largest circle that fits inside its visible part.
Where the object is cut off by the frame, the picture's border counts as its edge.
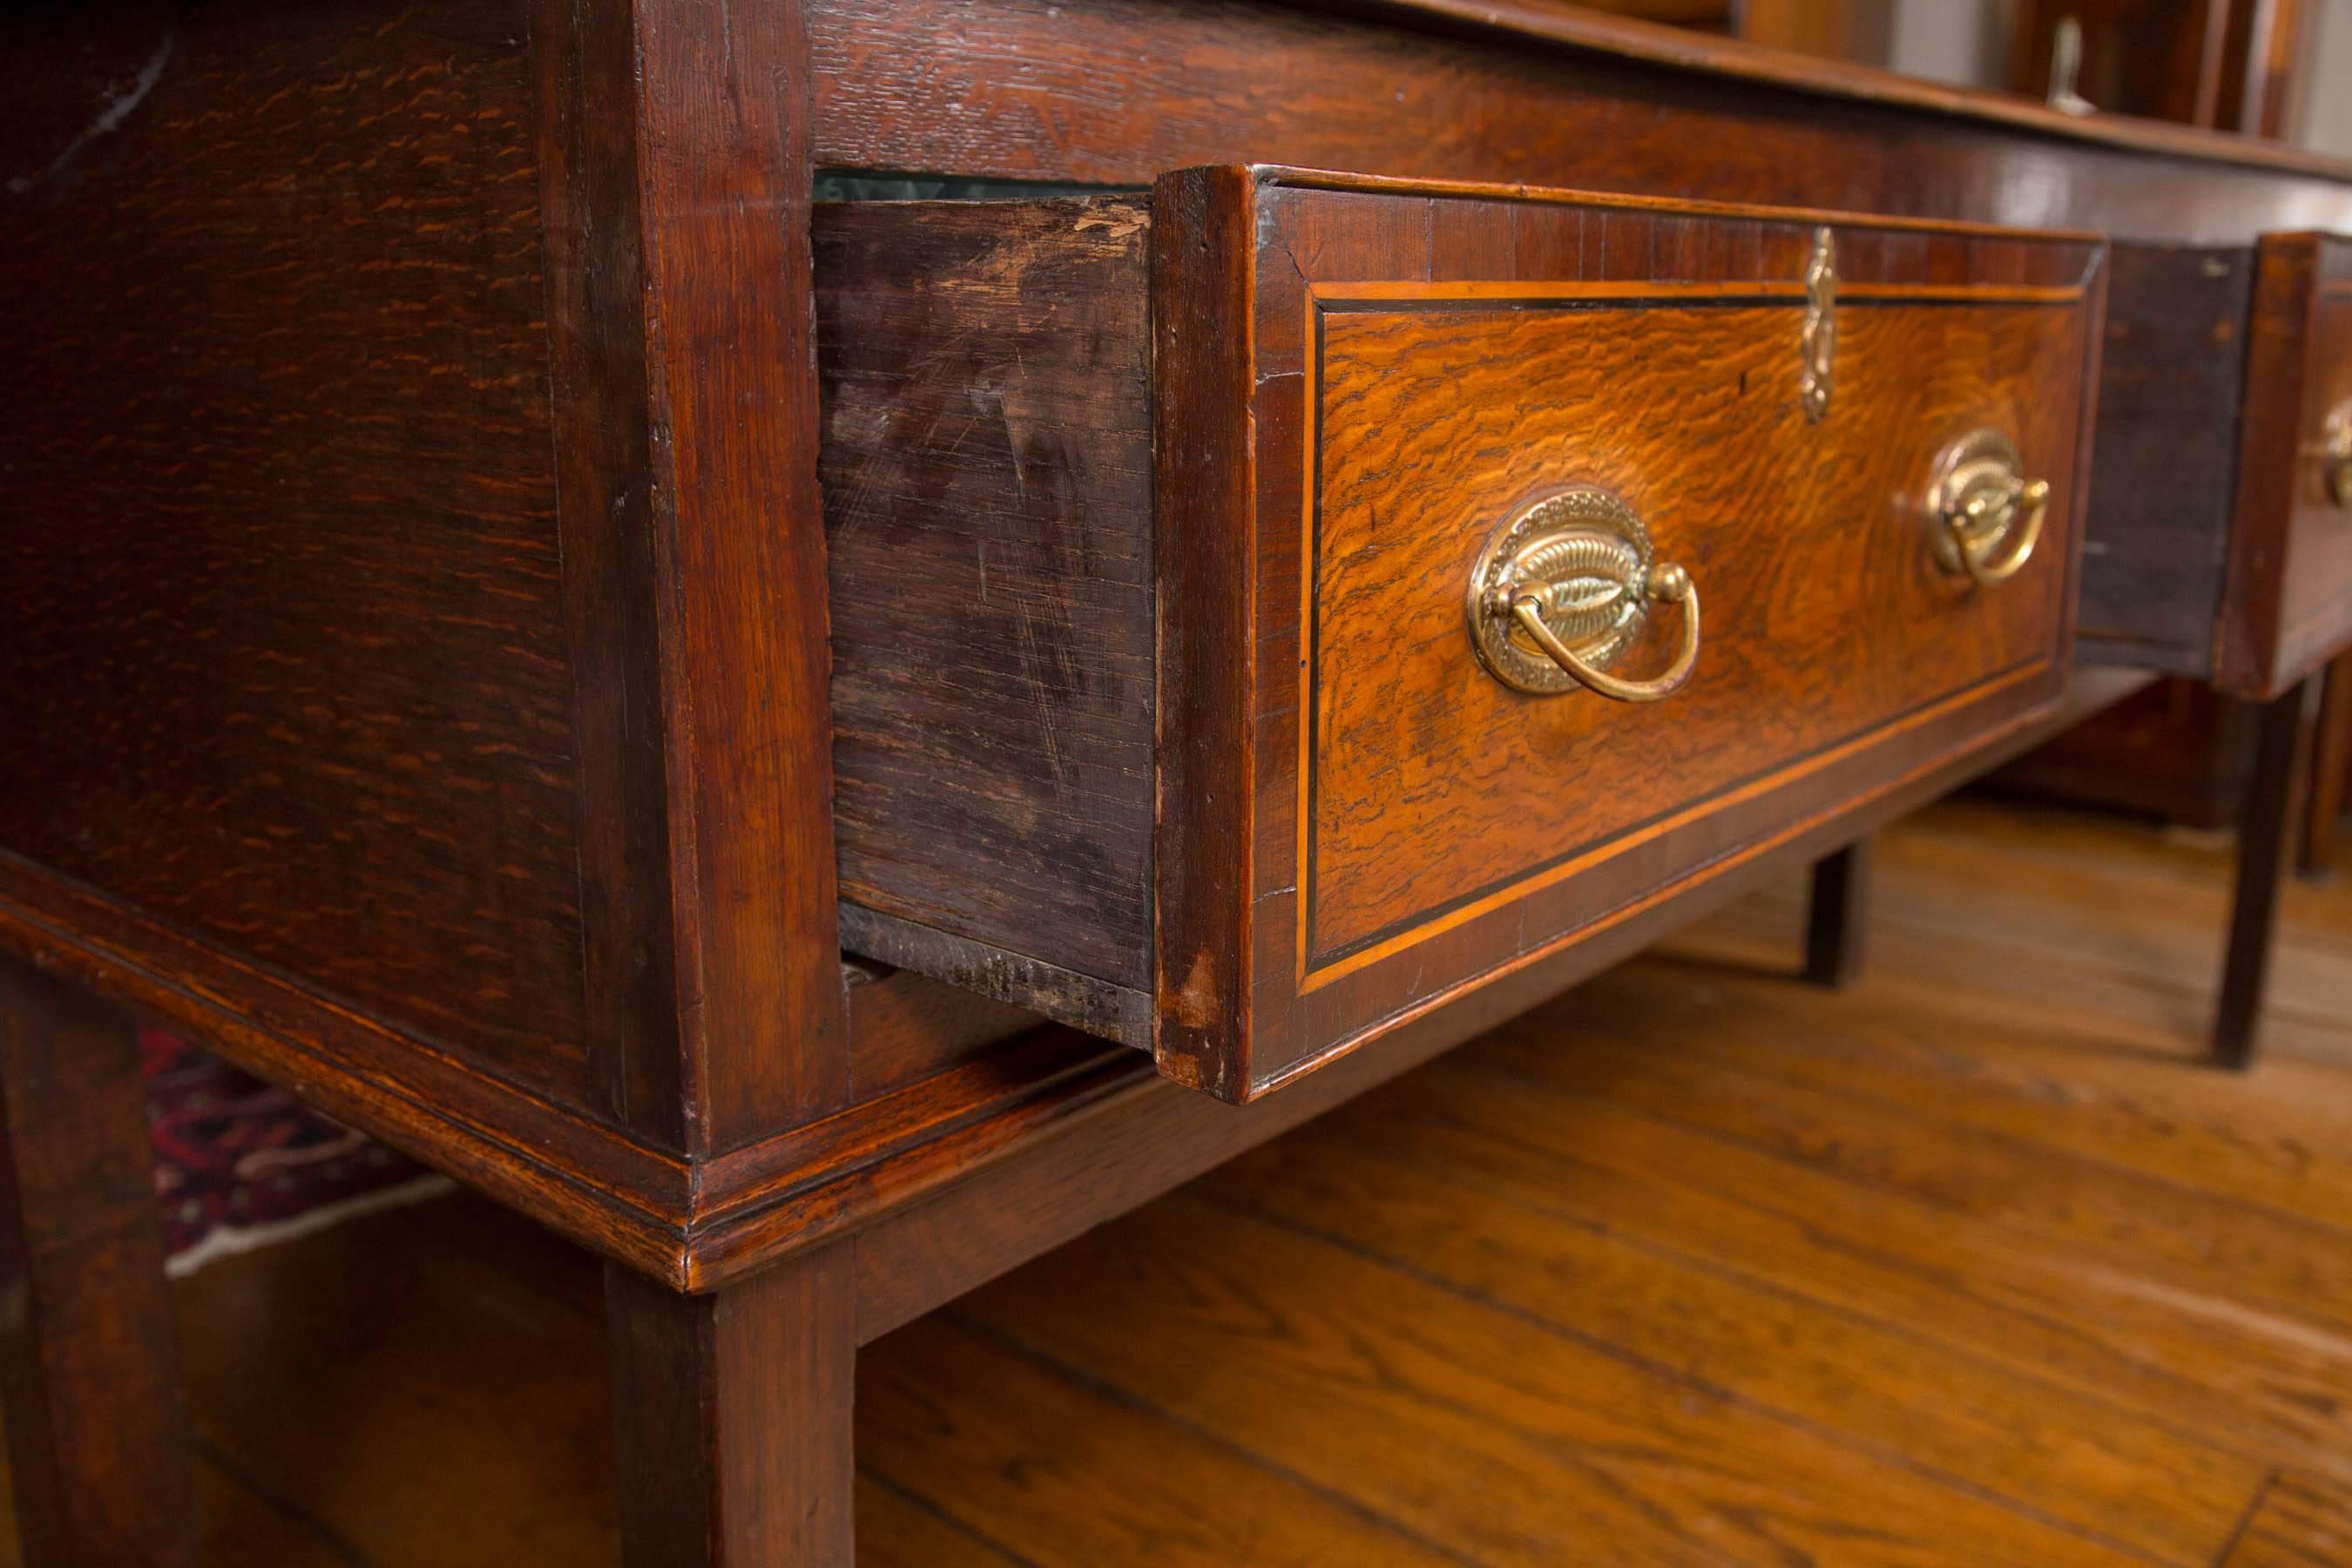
(2336, 451)
(1986, 516)
(1566, 585)
(1669, 583)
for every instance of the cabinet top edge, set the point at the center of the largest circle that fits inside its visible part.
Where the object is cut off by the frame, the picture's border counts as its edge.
(1658, 43)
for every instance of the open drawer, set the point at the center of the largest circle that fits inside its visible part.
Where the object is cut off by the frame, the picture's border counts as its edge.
(2219, 536)
(1267, 610)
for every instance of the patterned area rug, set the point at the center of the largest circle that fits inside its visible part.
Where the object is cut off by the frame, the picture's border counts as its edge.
(240, 1165)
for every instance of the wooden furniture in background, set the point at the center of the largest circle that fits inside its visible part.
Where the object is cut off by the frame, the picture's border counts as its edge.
(1859, 30)
(2232, 65)
(2178, 750)
(2220, 545)
(2330, 794)
(421, 643)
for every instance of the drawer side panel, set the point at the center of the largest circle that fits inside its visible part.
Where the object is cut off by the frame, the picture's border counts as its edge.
(987, 474)
(2164, 465)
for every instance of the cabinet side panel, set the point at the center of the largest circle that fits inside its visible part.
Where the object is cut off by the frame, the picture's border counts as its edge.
(987, 474)
(281, 651)
(2164, 466)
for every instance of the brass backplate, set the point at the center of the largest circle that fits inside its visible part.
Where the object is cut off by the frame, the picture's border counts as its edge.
(1586, 556)
(1818, 341)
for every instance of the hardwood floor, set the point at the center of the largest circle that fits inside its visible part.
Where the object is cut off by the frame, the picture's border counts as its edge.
(1970, 1264)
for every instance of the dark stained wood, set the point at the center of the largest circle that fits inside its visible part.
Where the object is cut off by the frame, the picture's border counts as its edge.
(706, 180)
(1522, 91)
(732, 1411)
(89, 1369)
(1065, 995)
(583, 1177)
(2264, 842)
(2331, 771)
(2164, 465)
(2287, 603)
(2162, 59)
(1204, 439)
(905, 1028)
(604, 480)
(1837, 918)
(2178, 749)
(285, 658)
(987, 474)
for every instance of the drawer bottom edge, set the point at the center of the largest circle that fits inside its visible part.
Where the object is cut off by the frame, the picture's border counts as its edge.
(1083, 1002)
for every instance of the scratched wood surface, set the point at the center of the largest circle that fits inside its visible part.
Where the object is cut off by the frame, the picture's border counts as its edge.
(987, 473)
(1969, 1264)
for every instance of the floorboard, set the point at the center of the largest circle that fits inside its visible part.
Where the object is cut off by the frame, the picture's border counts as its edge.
(1973, 1263)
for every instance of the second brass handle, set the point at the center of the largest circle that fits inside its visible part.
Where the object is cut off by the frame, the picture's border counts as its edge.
(2029, 503)
(1986, 515)
(1670, 583)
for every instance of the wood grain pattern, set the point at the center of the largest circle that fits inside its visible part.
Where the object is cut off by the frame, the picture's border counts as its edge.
(732, 1414)
(284, 657)
(1419, 785)
(2300, 1522)
(554, 907)
(1355, 1374)
(917, 293)
(2286, 598)
(721, 104)
(1431, 784)
(2065, 1455)
(2164, 461)
(987, 473)
(1135, 1135)
(687, 438)
(2012, 1325)
(1528, 91)
(98, 1456)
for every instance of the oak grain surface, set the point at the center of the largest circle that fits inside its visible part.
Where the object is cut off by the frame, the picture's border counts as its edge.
(284, 655)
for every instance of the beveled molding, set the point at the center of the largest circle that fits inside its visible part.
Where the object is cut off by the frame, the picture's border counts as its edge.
(894, 1170)
(682, 1221)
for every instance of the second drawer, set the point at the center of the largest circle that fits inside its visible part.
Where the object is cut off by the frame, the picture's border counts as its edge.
(1267, 609)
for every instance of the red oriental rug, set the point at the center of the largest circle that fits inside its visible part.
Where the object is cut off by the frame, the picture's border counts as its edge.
(240, 1165)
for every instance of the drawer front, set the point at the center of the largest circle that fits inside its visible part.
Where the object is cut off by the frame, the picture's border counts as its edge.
(1372, 395)
(2287, 597)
